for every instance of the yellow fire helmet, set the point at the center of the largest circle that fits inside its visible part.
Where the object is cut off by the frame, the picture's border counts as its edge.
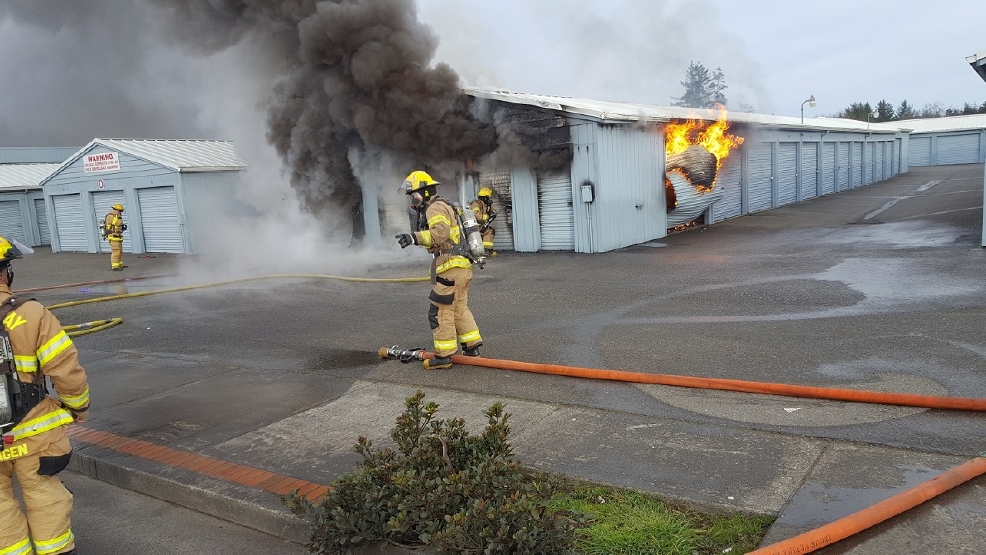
(416, 181)
(118, 207)
(8, 251)
(485, 192)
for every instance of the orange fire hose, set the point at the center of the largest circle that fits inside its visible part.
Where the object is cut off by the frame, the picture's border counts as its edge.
(875, 514)
(853, 395)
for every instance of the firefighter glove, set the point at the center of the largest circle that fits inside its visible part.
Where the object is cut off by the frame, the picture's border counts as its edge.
(80, 415)
(405, 240)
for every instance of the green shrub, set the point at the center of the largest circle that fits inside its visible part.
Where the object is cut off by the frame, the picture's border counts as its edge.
(442, 488)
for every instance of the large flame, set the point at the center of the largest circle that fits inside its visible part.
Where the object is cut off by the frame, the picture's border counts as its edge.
(714, 137)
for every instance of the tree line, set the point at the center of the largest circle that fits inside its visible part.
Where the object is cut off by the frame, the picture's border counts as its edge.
(704, 89)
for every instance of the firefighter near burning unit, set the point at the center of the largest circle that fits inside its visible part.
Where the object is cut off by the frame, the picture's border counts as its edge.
(452, 236)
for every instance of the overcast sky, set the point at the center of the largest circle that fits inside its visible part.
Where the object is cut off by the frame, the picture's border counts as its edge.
(774, 53)
(99, 68)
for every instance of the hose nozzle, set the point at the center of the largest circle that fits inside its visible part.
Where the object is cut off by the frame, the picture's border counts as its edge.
(403, 355)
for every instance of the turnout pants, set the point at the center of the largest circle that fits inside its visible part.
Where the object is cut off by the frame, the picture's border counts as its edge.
(46, 528)
(116, 253)
(451, 320)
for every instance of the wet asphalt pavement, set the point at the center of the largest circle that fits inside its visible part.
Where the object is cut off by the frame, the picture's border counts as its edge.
(878, 288)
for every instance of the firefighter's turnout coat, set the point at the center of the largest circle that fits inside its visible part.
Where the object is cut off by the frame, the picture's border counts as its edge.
(451, 321)
(114, 228)
(484, 214)
(36, 448)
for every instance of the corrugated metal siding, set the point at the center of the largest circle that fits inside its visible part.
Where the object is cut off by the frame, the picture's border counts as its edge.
(161, 226)
(761, 170)
(958, 149)
(729, 180)
(919, 151)
(829, 166)
(809, 170)
(628, 206)
(41, 213)
(11, 220)
(895, 157)
(787, 173)
(102, 202)
(527, 223)
(555, 211)
(70, 223)
(843, 167)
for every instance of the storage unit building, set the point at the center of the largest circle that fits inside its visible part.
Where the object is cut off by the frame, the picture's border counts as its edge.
(612, 193)
(948, 140)
(23, 214)
(168, 187)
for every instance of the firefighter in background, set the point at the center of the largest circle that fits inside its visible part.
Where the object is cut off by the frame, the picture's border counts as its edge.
(452, 323)
(35, 447)
(485, 214)
(113, 228)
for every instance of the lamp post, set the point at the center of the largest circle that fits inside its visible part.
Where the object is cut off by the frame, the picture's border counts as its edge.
(812, 101)
(874, 114)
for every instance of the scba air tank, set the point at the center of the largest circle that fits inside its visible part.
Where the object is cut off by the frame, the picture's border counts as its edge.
(473, 236)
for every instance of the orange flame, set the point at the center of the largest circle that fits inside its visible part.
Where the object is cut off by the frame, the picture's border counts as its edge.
(715, 137)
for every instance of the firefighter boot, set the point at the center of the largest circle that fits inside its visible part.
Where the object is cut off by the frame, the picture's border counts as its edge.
(437, 363)
(471, 351)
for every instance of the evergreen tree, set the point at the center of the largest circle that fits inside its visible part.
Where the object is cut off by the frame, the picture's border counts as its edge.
(905, 110)
(858, 110)
(718, 85)
(932, 110)
(884, 111)
(703, 88)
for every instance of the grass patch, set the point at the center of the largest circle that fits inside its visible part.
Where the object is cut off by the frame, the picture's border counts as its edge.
(627, 522)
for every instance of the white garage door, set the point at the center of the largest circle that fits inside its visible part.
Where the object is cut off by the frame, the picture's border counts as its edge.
(70, 223)
(160, 224)
(102, 201)
(557, 215)
(42, 214)
(11, 222)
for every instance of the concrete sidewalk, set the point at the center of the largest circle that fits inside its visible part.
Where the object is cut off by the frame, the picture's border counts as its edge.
(282, 376)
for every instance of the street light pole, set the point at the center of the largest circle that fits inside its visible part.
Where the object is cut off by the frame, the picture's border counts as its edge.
(812, 101)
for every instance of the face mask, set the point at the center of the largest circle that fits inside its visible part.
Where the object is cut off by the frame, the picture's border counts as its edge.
(417, 201)
(10, 276)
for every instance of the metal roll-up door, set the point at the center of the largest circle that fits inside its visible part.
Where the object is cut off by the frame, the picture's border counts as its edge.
(787, 173)
(843, 168)
(760, 178)
(958, 149)
(919, 151)
(857, 165)
(102, 202)
(70, 223)
(809, 170)
(879, 172)
(11, 221)
(556, 213)
(829, 165)
(160, 224)
(499, 181)
(41, 212)
(895, 158)
(731, 203)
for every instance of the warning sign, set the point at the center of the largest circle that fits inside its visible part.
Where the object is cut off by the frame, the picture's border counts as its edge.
(103, 162)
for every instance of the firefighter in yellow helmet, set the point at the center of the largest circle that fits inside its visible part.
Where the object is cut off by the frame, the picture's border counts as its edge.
(35, 447)
(113, 228)
(485, 214)
(452, 323)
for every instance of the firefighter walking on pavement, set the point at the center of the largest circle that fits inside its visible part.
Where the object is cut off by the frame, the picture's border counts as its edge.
(34, 350)
(452, 323)
(485, 214)
(113, 228)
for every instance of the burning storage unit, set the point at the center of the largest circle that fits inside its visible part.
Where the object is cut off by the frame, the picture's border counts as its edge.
(170, 188)
(625, 174)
